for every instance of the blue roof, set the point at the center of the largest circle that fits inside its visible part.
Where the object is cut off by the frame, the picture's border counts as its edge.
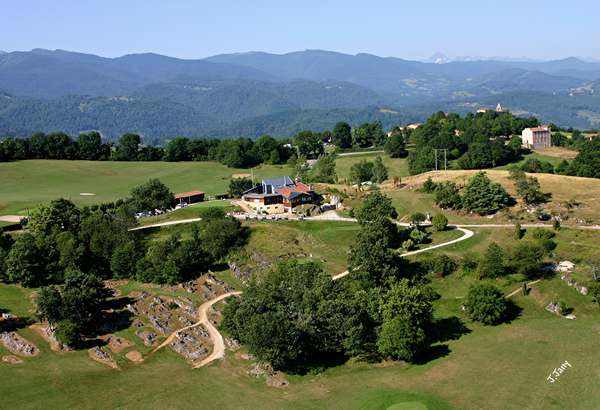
(279, 182)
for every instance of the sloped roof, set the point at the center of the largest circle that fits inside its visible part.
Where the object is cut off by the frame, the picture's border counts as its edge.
(188, 194)
(292, 192)
(279, 182)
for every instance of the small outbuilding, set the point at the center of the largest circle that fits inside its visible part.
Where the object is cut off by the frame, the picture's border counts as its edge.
(191, 197)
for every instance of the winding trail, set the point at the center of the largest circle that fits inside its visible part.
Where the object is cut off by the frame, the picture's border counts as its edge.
(217, 340)
(218, 351)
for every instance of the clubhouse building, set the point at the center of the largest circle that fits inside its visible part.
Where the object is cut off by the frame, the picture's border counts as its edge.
(279, 195)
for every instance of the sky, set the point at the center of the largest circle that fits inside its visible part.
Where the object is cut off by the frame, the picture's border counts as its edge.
(533, 29)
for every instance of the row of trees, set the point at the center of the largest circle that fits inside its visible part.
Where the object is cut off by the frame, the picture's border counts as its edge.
(241, 152)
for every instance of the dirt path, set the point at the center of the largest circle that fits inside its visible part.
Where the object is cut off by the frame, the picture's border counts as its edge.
(513, 293)
(217, 340)
(218, 344)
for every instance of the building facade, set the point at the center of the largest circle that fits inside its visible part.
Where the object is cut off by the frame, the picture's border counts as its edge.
(537, 137)
(278, 195)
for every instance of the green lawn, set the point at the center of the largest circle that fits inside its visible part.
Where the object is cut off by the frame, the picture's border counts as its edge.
(26, 184)
(545, 158)
(189, 212)
(396, 166)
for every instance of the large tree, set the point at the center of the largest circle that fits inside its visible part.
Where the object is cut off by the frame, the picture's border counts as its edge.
(486, 304)
(127, 148)
(152, 195)
(342, 135)
(483, 196)
(395, 145)
(295, 316)
(407, 314)
(309, 144)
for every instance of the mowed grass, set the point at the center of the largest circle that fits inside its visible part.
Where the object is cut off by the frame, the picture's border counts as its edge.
(395, 166)
(491, 367)
(189, 212)
(26, 184)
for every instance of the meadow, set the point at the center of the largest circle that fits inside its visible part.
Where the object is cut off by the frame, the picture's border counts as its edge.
(469, 366)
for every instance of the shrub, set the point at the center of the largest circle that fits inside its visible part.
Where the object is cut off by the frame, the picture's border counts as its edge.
(446, 195)
(439, 222)
(441, 265)
(429, 186)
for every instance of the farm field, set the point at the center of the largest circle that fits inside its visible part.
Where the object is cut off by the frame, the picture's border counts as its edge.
(25, 184)
(470, 366)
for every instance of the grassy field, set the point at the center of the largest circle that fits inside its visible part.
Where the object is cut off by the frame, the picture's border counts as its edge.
(26, 184)
(472, 366)
(396, 166)
(583, 192)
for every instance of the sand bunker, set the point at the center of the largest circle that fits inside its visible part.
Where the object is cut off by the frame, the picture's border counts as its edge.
(10, 218)
(87, 194)
(134, 356)
(10, 359)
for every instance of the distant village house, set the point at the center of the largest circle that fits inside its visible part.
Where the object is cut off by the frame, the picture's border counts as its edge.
(537, 137)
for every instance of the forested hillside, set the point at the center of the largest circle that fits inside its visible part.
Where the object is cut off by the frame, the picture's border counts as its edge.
(250, 94)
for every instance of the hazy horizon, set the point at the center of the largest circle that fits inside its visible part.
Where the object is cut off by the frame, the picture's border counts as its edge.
(450, 57)
(538, 30)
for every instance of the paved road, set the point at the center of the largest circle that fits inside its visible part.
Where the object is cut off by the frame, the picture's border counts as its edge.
(467, 234)
(349, 154)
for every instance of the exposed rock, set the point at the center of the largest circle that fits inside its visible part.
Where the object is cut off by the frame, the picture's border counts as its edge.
(147, 337)
(49, 336)
(190, 343)
(161, 325)
(117, 344)
(231, 344)
(137, 323)
(273, 378)
(96, 353)
(18, 345)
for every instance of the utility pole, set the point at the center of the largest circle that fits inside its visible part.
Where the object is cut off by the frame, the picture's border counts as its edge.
(435, 150)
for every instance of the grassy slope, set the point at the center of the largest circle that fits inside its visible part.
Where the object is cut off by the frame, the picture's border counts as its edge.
(25, 184)
(396, 166)
(488, 367)
(585, 191)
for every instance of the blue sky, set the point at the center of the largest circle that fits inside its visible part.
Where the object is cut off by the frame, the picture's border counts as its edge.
(408, 29)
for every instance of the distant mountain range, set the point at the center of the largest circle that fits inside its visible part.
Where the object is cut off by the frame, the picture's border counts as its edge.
(255, 92)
